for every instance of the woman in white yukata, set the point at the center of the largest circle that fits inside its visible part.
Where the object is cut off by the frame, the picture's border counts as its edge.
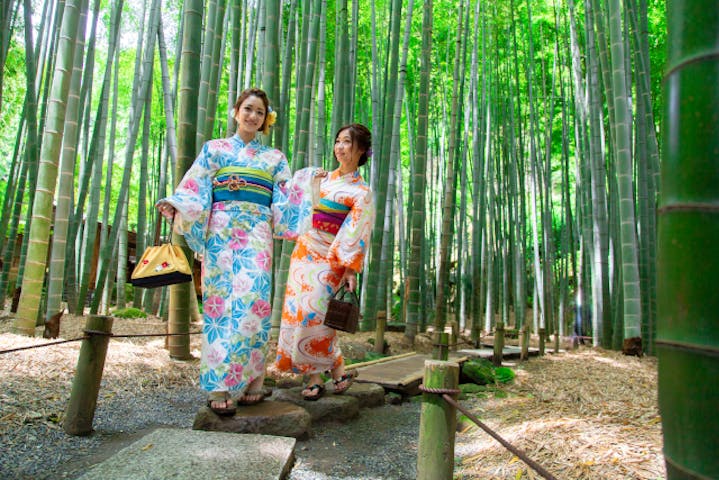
(327, 255)
(227, 207)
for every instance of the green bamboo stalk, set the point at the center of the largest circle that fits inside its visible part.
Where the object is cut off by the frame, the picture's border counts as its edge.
(449, 200)
(179, 317)
(687, 262)
(39, 233)
(66, 184)
(205, 69)
(630, 262)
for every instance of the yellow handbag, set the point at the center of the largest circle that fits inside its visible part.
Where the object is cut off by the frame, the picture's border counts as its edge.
(161, 265)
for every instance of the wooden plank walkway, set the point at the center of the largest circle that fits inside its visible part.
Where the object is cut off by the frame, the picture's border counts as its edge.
(403, 373)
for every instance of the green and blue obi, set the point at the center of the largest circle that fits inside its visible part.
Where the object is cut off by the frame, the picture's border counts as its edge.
(242, 184)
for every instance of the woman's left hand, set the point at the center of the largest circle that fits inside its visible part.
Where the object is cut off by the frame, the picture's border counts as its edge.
(350, 279)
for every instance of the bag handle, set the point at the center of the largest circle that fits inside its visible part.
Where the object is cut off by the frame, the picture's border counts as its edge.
(172, 227)
(343, 290)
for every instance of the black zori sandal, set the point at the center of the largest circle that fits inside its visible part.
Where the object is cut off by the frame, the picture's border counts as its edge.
(348, 378)
(228, 410)
(320, 389)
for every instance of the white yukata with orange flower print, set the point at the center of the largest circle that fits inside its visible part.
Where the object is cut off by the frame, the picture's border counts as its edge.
(319, 261)
(234, 238)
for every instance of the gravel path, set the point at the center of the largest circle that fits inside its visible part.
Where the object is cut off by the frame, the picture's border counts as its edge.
(380, 444)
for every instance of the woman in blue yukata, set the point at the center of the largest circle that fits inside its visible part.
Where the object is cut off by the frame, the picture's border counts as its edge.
(228, 208)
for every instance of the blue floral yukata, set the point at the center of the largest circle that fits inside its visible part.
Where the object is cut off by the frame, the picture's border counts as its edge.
(228, 208)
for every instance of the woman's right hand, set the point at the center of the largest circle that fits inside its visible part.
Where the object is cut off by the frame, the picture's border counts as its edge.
(166, 210)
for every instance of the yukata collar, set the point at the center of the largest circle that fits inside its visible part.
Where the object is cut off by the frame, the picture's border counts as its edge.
(254, 143)
(335, 174)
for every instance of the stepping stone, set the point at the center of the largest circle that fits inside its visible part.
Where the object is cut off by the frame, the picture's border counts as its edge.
(269, 418)
(340, 408)
(368, 394)
(191, 454)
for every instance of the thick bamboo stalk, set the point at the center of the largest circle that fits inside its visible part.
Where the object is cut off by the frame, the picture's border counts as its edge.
(438, 421)
(687, 261)
(88, 375)
(440, 350)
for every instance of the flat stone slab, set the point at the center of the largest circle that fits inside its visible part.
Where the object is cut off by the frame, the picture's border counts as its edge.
(367, 394)
(341, 408)
(269, 417)
(191, 454)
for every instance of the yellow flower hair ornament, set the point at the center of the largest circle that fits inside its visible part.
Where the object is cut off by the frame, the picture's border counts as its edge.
(271, 119)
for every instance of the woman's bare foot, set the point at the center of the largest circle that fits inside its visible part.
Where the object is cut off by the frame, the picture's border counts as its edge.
(221, 403)
(255, 392)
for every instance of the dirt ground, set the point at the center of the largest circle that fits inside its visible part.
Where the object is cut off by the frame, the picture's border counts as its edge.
(582, 414)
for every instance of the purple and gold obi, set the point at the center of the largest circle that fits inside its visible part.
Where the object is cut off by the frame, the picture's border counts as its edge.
(328, 216)
(243, 184)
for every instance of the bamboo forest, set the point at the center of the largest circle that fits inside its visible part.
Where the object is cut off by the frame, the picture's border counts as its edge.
(542, 171)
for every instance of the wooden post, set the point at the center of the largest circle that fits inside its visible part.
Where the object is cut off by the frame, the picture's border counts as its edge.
(498, 344)
(438, 422)
(86, 384)
(524, 342)
(454, 327)
(441, 346)
(542, 340)
(379, 332)
(556, 342)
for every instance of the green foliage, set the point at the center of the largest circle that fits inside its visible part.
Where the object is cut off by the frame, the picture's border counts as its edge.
(479, 370)
(504, 374)
(482, 372)
(13, 98)
(129, 312)
(396, 306)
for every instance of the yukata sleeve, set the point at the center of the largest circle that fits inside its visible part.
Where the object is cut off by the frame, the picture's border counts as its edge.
(292, 205)
(193, 200)
(351, 243)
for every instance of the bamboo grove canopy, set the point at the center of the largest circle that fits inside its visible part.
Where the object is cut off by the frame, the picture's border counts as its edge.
(515, 160)
(516, 165)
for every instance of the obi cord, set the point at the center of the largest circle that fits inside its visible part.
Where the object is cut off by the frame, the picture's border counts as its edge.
(243, 184)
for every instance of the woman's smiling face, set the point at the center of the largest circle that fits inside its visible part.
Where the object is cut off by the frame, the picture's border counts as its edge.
(347, 152)
(250, 116)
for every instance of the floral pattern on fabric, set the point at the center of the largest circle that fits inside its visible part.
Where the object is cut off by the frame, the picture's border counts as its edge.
(319, 260)
(234, 239)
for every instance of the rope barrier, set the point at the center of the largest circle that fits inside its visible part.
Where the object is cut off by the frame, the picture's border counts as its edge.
(439, 390)
(95, 332)
(30, 347)
(138, 335)
(537, 467)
